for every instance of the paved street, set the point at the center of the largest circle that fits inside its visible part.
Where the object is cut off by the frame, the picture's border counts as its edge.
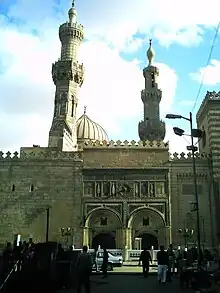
(130, 284)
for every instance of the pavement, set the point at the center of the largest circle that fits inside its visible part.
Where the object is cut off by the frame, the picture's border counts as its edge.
(130, 284)
(132, 270)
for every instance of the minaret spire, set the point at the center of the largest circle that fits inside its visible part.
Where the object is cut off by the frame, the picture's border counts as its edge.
(68, 76)
(151, 128)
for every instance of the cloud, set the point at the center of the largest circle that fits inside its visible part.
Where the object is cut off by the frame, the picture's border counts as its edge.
(177, 143)
(118, 25)
(167, 21)
(210, 74)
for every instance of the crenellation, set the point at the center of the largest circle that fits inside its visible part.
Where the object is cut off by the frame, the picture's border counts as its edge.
(41, 153)
(8, 155)
(188, 156)
(125, 144)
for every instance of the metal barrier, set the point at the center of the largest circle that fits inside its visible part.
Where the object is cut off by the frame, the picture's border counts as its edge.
(14, 269)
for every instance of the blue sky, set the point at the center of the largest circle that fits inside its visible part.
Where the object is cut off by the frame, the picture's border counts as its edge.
(114, 55)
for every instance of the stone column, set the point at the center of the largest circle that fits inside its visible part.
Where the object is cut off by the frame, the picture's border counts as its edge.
(86, 236)
(119, 238)
(168, 237)
(128, 238)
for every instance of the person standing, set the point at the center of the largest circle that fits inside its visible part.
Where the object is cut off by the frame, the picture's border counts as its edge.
(145, 258)
(162, 261)
(105, 263)
(84, 269)
(171, 256)
(95, 259)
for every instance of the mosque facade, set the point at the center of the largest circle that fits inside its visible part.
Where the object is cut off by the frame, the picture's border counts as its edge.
(118, 194)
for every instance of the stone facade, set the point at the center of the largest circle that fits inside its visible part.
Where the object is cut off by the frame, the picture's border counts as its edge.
(111, 192)
(121, 182)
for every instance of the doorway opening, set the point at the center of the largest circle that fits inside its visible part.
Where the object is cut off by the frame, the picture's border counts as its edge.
(106, 240)
(148, 240)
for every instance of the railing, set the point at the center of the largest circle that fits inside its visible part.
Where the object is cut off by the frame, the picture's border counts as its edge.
(15, 266)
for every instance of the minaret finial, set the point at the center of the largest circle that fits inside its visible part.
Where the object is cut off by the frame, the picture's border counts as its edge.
(72, 13)
(85, 110)
(150, 53)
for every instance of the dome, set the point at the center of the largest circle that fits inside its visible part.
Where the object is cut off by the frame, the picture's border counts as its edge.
(88, 129)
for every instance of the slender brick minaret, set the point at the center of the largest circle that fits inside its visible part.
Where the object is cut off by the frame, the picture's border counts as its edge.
(67, 75)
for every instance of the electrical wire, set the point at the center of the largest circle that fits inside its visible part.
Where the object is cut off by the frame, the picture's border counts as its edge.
(209, 59)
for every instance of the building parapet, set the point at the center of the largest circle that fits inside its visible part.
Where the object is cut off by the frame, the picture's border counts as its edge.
(188, 156)
(214, 96)
(124, 144)
(38, 153)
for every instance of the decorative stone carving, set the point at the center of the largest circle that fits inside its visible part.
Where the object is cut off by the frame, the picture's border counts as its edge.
(89, 188)
(98, 189)
(124, 189)
(151, 189)
(144, 188)
(160, 188)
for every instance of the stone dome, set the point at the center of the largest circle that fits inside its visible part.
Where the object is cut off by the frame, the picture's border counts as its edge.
(90, 130)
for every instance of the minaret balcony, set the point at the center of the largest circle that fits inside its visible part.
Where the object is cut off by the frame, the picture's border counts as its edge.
(71, 30)
(67, 70)
(147, 96)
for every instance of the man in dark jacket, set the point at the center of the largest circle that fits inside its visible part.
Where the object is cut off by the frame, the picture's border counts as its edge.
(84, 269)
(145, 258)
(162, 261)
(105, 263)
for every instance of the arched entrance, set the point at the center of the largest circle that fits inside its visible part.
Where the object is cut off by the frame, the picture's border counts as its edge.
(148, 240)
(148, 228)
(106, 240)
(103, 227)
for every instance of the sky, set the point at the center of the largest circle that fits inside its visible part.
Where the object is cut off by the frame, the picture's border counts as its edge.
(114, 55)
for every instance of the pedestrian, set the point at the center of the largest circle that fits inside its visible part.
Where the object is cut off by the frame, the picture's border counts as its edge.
(162, 261)
(84, 269)
(171, 256)
(145, 258)
(105, 263)
(95, 259)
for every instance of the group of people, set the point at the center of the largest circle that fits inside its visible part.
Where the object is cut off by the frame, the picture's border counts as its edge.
(16, 252)
(164, 259)
(168, 261)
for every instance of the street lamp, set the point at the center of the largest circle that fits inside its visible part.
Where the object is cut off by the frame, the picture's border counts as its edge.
(197, 133)
(186, 234)
(66, 233)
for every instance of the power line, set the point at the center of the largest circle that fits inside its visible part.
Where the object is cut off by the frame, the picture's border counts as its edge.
(209, 58)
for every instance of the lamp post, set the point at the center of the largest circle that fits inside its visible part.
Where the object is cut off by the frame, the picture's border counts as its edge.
(194, 133)
(66, 233)
(186, 234)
